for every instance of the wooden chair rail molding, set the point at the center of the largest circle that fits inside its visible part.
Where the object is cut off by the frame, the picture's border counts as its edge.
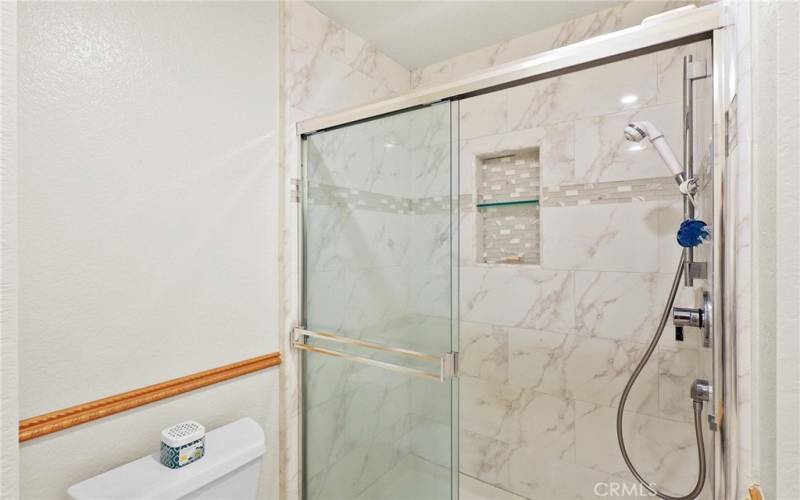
(59, 420)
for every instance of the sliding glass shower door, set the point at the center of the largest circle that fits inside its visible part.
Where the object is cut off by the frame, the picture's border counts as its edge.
(380, 207)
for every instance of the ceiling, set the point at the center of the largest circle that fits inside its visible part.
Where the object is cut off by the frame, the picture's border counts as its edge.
(418, 33)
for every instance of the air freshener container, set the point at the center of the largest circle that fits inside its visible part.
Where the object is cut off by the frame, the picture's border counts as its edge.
(182, 444)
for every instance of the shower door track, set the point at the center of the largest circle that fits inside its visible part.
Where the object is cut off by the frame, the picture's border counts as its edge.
(704, 23)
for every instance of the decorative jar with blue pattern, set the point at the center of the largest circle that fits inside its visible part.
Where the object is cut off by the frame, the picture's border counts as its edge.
(182, 444)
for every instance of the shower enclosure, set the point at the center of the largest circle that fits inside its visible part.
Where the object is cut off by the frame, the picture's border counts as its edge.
(484, 263)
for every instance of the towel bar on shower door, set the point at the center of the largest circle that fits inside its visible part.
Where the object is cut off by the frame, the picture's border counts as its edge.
(446, 363)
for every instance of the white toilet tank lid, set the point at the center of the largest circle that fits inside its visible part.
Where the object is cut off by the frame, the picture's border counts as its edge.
(227, 448)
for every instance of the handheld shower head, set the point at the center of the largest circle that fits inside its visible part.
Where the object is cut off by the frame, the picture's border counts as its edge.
(636, 131)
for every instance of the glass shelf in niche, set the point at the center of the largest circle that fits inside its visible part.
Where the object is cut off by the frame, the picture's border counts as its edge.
(507, 203)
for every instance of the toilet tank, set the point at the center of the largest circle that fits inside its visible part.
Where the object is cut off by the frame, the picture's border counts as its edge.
(230, 469)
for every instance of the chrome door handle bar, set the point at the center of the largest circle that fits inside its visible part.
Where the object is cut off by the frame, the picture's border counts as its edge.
(446, 363)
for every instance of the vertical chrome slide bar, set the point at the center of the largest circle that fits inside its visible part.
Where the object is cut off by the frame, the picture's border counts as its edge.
(688, 156)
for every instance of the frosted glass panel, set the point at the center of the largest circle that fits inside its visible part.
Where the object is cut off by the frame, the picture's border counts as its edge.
(379, 267)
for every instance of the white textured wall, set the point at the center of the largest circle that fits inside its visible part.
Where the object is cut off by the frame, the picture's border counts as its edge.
(775, 128)
(147, 220)
(9, 463)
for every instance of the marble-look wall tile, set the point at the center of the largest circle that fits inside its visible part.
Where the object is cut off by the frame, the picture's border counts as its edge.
(623, 306)
(341, 238)
(483, 115)
(534, 476)
(664, 450)
(554, 142)
(541, 299)
(484, 352)
(605, 155)
(484, 458)
(670, 71)
(473, 489)
(519, 417)
(582, 368)
(315, 80)
(564, 98)
(305, 22)
(488, 408)
(603, 237)
(677, 370)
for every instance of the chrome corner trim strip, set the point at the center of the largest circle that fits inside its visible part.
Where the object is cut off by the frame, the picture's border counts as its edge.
(299, 333)
(726, 444)
(657, 32)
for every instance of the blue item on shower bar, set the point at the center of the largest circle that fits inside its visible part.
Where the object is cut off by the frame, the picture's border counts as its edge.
(692, 233)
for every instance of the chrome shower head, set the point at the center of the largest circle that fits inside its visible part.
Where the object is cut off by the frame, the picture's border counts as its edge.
(636, 131)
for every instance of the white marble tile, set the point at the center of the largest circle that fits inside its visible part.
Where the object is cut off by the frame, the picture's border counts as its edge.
(557, 154)
(518, 296)
(429, 241)
(431, 440)
(484, 352)
(663, 450)
(564, 98)
(670, 71)
(583, 368)
(430, 170)
(484, 458)
(471, 151)
(520, 418)
(605, 156)
(677, 370)
(366, 58)
(341, 238)
(596, 440)
(430, 290)
(361, 157)
(670, 216)
(610, 237)
(536, 360)
(356, 470)
(625, 306)
(474, 489)
(545, 424)
(488, 408)
(536, 477)
(318, 83)
(483, 115)
(303, 21)
(365, 300)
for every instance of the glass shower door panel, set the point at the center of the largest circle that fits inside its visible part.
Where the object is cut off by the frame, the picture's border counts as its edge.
(379, 272)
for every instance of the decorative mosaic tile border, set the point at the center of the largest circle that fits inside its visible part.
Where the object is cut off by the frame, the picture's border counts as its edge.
(638, 190)
(341, 197)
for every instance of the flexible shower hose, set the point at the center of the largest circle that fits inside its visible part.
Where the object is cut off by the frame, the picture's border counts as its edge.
(697, 405)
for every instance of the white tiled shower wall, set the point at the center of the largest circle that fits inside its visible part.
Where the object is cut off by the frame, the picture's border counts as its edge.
(546, 350)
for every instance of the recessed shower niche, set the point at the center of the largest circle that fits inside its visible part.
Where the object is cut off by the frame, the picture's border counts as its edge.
(507, 202)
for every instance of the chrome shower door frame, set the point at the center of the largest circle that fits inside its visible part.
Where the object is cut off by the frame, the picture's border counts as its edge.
(707, 22)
